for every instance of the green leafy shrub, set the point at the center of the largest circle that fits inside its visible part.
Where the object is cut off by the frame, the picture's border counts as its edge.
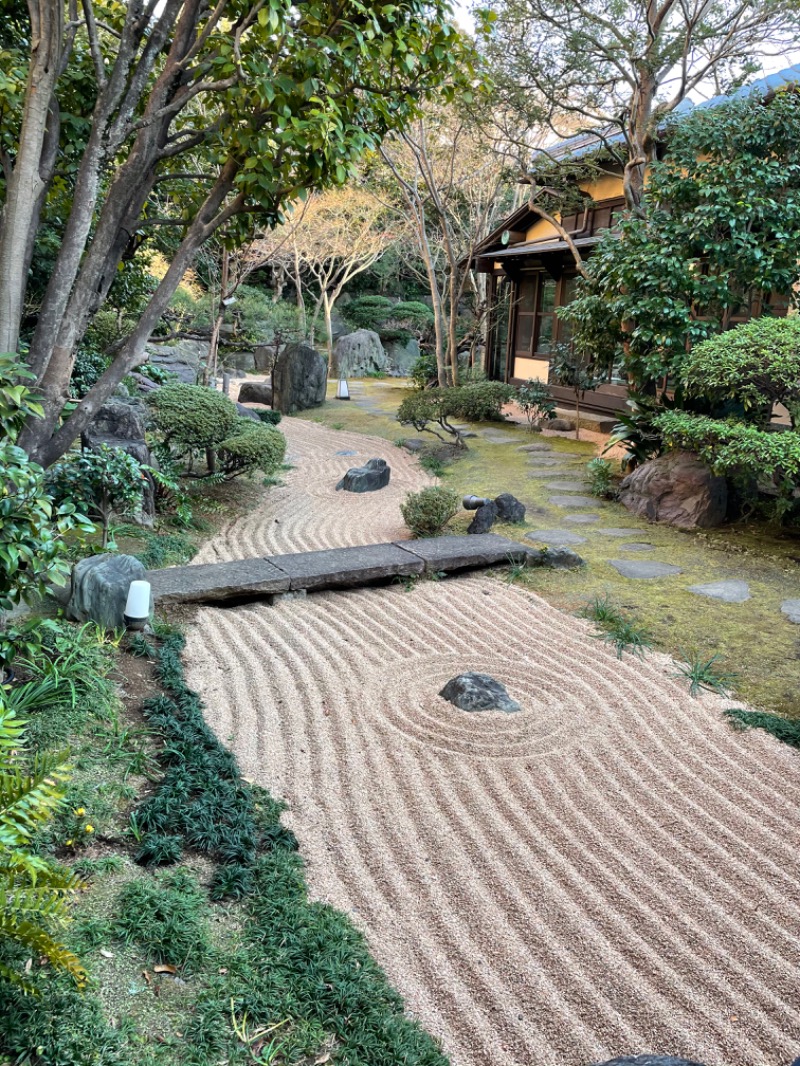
(737, 449)
(88, 366)
(393, 321)
(34, 892)
(192, 418)
(601, 477)
(755, 365)
(536, 400)
(636, 429)
(424, 370)
(159, 849)
(165, 917)
(32, 529)
(256, 447)
(480, 402)
(165, 549)
(99, 480)
(368, 312)
(157, 374)
(427, 512)
(270, 416)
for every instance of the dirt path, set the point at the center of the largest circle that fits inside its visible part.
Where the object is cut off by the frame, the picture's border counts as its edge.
(612, 870)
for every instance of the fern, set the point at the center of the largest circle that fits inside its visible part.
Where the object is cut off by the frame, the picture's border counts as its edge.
(34, 893)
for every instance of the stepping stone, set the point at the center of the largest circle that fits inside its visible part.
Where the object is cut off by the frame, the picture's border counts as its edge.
(494, 436)
(641, 571)
(556, 471)
(545, 460)
(636, 546)
(573, 501)
(556, 537)
(727, 591)
(614, 532)
(569, 486)
(791, 608)
(535, 448)
(582, 519)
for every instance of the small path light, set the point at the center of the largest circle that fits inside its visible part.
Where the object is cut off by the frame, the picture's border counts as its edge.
(137, 607)
(342, 389)
(472, 503)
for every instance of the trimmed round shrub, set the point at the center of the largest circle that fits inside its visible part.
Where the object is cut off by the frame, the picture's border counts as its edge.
(428, 511)
(482, 401)
(192, 417)
(756, 365)
(256, 446)
(271, 417)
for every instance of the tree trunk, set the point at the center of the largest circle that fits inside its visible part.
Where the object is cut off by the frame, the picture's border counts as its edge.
(27, 185)
(327, 305)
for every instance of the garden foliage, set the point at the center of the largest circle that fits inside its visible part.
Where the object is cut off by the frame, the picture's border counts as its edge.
(427, 512)
(101, 481)
(425, 409)
(536, 400)
(718, 228)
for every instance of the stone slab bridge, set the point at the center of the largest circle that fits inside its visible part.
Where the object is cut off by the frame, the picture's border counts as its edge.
(370, 564)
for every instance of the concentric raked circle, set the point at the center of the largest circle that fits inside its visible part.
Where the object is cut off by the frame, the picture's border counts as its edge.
(551, 720)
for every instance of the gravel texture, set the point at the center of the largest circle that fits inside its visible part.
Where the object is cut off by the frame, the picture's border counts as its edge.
(609, 871)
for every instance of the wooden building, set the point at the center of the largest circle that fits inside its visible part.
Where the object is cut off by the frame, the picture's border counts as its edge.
(532, 273)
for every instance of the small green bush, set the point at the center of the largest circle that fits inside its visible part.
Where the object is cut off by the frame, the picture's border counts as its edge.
(482, 401)
(100, 481)
(256, 447)
(368, 312)
(424, 370)
(270, 416)
(536, 400)
(601, 478)
(756, 364)
(427, 512)
(192, 417)
(165, 918)
(159, 849)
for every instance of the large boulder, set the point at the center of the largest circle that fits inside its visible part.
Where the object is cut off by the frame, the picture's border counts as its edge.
(370, 477)
(299, 379)
(359, 354)
(244, 361)
(401, 357)
(100, 589)
(183, 358)
(264, 357)
(255, 392)
(678, 490)
(478, 692)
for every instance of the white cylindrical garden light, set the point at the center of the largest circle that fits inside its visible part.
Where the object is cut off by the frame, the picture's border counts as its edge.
(342, 389)
(137, 607)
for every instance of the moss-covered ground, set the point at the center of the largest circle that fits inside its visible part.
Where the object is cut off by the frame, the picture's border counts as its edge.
(753, 640)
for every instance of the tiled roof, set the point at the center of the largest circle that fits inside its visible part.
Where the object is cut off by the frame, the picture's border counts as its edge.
(583, 143)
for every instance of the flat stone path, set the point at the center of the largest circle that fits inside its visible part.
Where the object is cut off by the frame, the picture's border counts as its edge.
(349, 567)
(574, 501)
(791, 609)
(569, 486)
(556, 537)
(644, 571)
(727, 591)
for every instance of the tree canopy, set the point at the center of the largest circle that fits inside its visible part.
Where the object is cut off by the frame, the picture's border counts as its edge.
(156, 122)
(718, 239)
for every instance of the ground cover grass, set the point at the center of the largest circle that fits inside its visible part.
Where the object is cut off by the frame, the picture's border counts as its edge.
(216, 957)
(752, 640)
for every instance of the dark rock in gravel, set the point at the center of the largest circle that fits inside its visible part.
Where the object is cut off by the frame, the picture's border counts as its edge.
(478, 692)
(561, 425)
(100, 589)
(370, 477)
(255, 392)
(509, 508)
(485, 518)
